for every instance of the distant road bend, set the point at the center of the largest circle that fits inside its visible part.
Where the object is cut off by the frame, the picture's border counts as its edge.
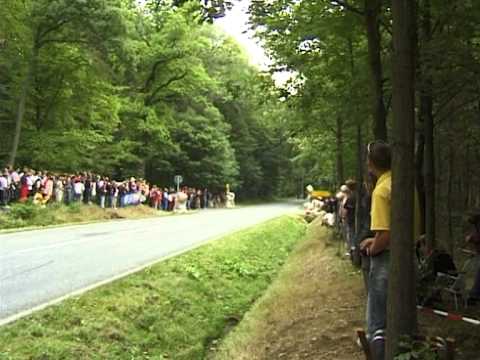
(37, 267)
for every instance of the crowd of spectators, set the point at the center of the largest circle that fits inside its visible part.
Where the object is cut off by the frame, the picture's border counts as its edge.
(42, 188)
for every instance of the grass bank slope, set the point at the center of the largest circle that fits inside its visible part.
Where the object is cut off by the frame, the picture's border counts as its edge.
(177, 309)
(310, 311)
(29, 215)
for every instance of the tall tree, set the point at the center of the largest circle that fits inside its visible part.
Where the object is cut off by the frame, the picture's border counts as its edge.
(402, 318)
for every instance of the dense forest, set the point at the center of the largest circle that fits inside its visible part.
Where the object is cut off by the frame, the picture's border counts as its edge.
(342, 53)
(138, 88)
(402, 71)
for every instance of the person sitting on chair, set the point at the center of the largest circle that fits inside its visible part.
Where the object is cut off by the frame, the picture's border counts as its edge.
(473, 238)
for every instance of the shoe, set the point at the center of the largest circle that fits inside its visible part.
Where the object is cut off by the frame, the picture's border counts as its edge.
(359, 343)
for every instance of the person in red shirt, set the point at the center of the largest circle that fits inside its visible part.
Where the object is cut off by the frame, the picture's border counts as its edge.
(155, 197)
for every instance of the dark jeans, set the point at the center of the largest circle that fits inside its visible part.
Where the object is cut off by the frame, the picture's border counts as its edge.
(3, 197)
(87, 196)
(365, 265)
(377, 292)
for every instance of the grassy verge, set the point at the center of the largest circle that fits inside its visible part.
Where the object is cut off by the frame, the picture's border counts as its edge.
(29, 215)
(309, 312)
(313, 307)
(177, 309)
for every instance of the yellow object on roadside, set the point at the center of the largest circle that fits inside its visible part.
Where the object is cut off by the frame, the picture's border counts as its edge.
(320, 194)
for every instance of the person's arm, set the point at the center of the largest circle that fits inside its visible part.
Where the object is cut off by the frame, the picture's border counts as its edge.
(380, 242)
(374, 246)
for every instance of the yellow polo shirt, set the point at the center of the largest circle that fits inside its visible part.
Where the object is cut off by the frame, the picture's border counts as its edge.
(381, 206)
(381, 203)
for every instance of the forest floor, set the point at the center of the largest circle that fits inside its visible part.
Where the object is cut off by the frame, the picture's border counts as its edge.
(314, 307)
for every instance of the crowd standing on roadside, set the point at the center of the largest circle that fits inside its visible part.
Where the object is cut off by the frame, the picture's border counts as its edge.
(42, 188)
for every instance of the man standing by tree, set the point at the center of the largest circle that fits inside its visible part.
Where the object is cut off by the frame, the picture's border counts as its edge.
(379, 164)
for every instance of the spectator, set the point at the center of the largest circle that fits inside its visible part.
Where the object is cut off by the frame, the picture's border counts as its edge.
(474, 238)
(165, 199)
(47, 188)
(59, 189)
(155, 198)
(349, 206)
(377, 247)
(198, 201)
(69, 193)
(112, 193)
(93, 189)
(102, 191)
(78, 189)
(364, 221)
(38, 195)
(3, 189)
(206, 198)
(87, 192)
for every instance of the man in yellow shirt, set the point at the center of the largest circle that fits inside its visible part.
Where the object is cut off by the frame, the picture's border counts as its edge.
(379, 164)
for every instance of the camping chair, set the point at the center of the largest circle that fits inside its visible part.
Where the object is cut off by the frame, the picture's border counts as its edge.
(429, 287)
(456, 284)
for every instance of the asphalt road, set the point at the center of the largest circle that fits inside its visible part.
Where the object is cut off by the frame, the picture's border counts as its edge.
(37, 267)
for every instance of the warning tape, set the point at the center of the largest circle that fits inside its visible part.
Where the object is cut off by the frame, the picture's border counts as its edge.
(449, 316)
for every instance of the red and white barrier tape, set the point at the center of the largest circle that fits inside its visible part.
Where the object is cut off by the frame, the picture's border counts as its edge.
(449, 316)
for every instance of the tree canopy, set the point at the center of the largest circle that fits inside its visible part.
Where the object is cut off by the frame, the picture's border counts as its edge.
(149, 88)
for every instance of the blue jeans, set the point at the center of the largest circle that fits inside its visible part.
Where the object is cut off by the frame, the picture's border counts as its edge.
(350, 235)
(377, 292)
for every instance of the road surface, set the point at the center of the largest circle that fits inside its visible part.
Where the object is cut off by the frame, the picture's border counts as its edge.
(37, 267)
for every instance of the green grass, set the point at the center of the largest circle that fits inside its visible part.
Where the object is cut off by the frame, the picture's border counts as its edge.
(174, 310)
(29, 215)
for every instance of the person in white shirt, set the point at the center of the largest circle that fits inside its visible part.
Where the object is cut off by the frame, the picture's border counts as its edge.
(78, 189)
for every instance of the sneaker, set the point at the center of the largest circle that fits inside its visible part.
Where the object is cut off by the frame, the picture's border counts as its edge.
(359, 343)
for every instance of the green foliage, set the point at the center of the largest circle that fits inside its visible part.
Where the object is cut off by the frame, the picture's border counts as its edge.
(328, 58)
(24, 211)
(153, 90)
(416, 350)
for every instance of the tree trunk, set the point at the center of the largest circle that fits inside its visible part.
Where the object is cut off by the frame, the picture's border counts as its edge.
(372, 13)
(19, 118)
(22, 103)
(426, 110)
(402, 314)
(419, 179)
(339, 162)
(429, 176)
(450, 239)
(360, 164)
(360, 161)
